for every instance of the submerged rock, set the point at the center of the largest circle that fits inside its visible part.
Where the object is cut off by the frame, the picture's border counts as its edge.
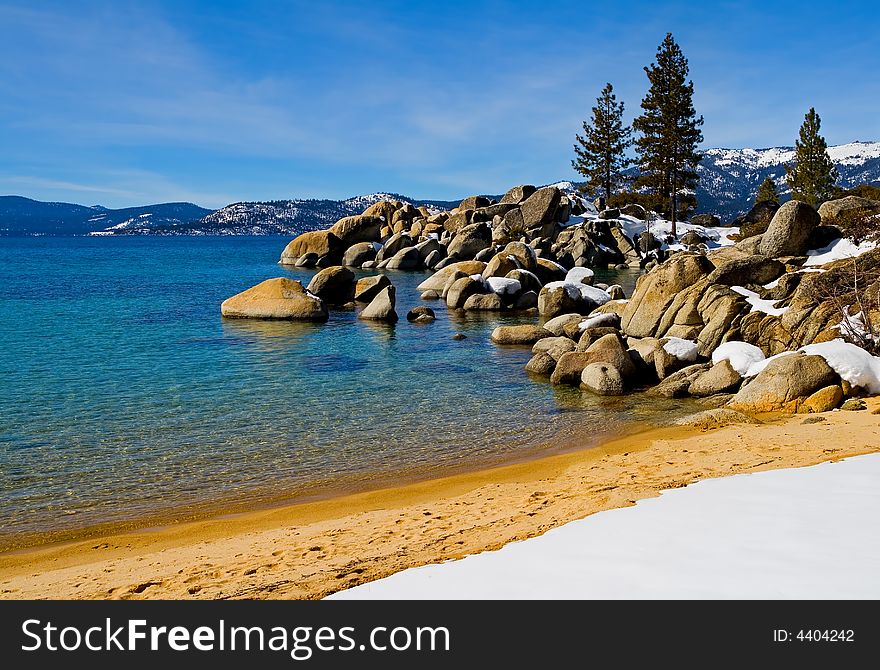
(279, 298)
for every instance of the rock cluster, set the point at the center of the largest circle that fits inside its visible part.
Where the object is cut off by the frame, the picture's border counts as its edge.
(399, 236)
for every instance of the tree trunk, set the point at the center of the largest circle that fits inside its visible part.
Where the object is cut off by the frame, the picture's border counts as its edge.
(674, 203)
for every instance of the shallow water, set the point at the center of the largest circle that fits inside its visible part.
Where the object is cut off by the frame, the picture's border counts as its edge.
(125, 394)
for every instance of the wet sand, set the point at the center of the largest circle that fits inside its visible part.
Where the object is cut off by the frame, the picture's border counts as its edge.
(313, 549)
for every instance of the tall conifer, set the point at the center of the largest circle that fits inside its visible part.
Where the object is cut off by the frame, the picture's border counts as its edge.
(812, 176)
(669, 132)
(600, 150)
(767, 192)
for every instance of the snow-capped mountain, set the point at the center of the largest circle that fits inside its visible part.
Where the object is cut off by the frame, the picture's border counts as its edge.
(729, 178)
(291, 217)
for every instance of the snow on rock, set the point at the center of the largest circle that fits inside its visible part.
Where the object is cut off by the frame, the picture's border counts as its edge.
(598, 320)
(504, 286)
(580, 276)
(757, 367)
(597, 295)
(852, 363)
(796, 533)
(838, 250)
(586, 291)
(571, 289)
(683, 350)
(758, 303)
(741, 356)
(715, 237)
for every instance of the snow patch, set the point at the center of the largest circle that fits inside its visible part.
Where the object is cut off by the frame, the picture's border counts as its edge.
(504, 286)
(838, 250)
(741, 356)
(758, 303)
(852, 363)
(683, 350)
(580, 276)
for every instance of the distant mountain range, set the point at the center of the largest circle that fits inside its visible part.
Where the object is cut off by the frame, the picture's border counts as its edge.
(31, 217)
(729, 179)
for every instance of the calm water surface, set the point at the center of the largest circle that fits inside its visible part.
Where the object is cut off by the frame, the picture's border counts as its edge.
(124, 393)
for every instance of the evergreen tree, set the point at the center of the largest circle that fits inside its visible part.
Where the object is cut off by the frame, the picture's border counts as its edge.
(669, 132)
(767, 192)
(812, 176)
(600, 150)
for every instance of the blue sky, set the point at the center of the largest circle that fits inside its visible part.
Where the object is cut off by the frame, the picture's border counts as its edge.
(124, 103)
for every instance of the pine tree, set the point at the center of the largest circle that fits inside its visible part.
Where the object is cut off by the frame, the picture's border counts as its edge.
(670, 132)
(767, 192)
(812, 176)
(600, 150)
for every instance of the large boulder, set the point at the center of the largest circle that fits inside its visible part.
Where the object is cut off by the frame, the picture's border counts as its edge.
(720, 378)
(554, 301)
(483, 302)
(358, 228)
(784, 384)
(539, 209)
(474, 202)
(279, 298)
(323, 243)
(834, 212)
(470, 240)
(611, 349)
(381, 308)
(549, 271)
(518, 193)
(569, 368)
(553, 346)
(461, 290)
(334, 285)
(656, 291)
(758, 218)
(528, 280)
(438, 280)
(789, 232)
(394, 244)
(523, 253)
(384, 209)
(524, 334)
(603, 379)
(747, 270)
(368, 288)
(500, 265)
(407, 258)
(541, 364)
(557, 324)
(358, 254)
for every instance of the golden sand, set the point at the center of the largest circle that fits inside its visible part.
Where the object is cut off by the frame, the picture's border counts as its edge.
(313, 549)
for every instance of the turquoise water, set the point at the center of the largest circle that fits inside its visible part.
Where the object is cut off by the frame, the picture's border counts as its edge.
(125, 394)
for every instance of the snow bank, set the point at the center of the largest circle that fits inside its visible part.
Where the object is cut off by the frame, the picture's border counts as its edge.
(580, 276)
(740, 354)
(838, 250)
(760, 535)
(683, 350)
(852, 363)
(504, 286)
(758, 303)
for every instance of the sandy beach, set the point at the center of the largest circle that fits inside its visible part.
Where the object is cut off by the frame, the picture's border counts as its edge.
(312, 550)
